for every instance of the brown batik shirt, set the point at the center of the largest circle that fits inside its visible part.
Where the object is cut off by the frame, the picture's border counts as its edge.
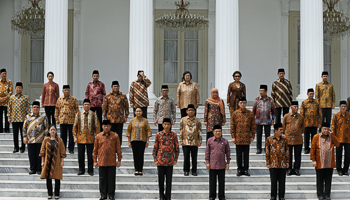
(325, 94)
(66, 108)
(277, 152)
(341, 127)
(138, 95)
(243, 126)
(282, 93)
(293, 125)
(311, 111)
(106, 146)
(115, 107)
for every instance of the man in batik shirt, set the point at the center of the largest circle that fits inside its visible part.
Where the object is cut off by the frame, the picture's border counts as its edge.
(164, 107)
(325, 96)
(5, 94)
(138, 95)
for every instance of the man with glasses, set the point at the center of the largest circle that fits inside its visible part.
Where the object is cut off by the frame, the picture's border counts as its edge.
(325, 95)
(164, 107)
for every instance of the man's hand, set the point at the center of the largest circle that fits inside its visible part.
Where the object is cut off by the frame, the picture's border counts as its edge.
(25, 141)
(314, 163)
(10, 121)
(287, 165)
(178, 105)
(58, 122)
(205, 123)
(272, 123)
(129, 144)
(172, 123)
(251, 139)
(234, 140)
(62, 163)
(228, 104)
(131, 105)
(118, 163)
(174, 163)
(155, 123)
(333, 106)
(156, 163)
(199, 144)
(75, 140)
(182, 143)
(227, 166)
(95, 165)
(197, 105)
(319, 126)
(223, 124)
(146, 144)
(125, 120)
(42, 164)
(208, 166)
(268, 166)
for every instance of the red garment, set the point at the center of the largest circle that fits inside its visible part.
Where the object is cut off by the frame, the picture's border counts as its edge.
(50, 94)
(96, 93)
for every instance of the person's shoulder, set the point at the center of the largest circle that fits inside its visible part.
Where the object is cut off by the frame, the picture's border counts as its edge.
(305, 101)
(287, 115)
(74, 99)
(320, 83)
(210, 140)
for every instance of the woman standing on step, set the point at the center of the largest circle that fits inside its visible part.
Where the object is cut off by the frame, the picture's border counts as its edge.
(138, 133)
(187, 93)
(52, 153)
(235, 91)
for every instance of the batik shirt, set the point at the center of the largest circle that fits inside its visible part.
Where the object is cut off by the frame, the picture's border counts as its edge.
(66, 108)
(18, 108)
(187, 94)
(138, 129)
(166, 148)
(277, 152)
(35, 128)
(213, 115)
(106, 146)
(138, 95)
(190, 131)
(264, 111)
(216, 151)
(164, 108)
(243, 126)
(312, 113)
(325, 94)
(341, 127)
(86, 127)
(282, 93)
(95, 92)
(50, 94)
(115, 107)
(6, 90)
(293, 125)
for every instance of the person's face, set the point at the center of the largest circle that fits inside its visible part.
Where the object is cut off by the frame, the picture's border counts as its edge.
(106, 128)
(217, 133)
(165, 92)
(281, 75)
(187, 77)
(53, 131)
(140, 77)
(279, 132)
(325, 130)
(19, 89)
(95, 77)
(311, 95)
(190, 112)
(342, 108)
(324, 77)
(66, 92)
(215, 94)
(262, 92)
(35, 109)
(50, 77)
(3, 75)
(166, 125)
(115, 88)
(138, 112)
(294, 108)
(242, 104)
(86, 106)
(237, 77)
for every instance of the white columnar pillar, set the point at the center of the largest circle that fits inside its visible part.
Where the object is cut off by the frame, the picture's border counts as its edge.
(141, 51)
(226, 44)
(17, 47)
(311, 45)
(56, 40)
(211, 45)
(77, 80)
(284, 35)
(345, 89)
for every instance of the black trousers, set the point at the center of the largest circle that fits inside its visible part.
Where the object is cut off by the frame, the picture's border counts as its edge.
(279, 112)
(49, 183)
(138, 151)
(339, 157)
(193, 151)
(209, 135)
(278, 175)
(65, 128)
(34, 158)
(98, 111)
(107, 181)
(297, 157)
(118, 128)
(259, 129)
(215, 174)
(81, 157)
(324, 182)
(165, 172)
(184, 114)
(326, 113)
(160, 127)
(242, 154)
(50, 114)
(3, 111)
(17, 129)
(309, 131)
(144, 112)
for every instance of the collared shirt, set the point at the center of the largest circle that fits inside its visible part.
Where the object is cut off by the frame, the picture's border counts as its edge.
(293, 125)
(243, 126)
(115, 107)
(86, 127)
(164, 108)
(282, 93)
(66, 108)
(312, 113)
(166, 148)
(277, 152)
(190, 131)
(106, 146)
(341, 127)
(216, 151)
(234, 92)
(138, 95)
(6, 90)
(187, 94)
(95, 92)
(264, 110)
(315, 151)
(35, 128)
(325, 94)
(138, 129)
(213, 115)
(50, 94)
(18, 108)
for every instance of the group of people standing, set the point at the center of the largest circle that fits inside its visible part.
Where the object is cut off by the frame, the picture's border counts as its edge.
(98, 129)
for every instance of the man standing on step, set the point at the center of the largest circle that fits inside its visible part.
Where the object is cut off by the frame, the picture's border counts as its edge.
(18, 109)
(6, 91)
(277, 160)
(86, 127)
(164, 107)
(325, 95)
(215, 152)
(138, 95)
(293, 125)
(311, 111)
(190, 139)
(243, 132)
(165, 154)
(107, 145)
(35, 128)
(116, 109)
(341, 128)
(264, 112)
(322, 156)
(66, 109)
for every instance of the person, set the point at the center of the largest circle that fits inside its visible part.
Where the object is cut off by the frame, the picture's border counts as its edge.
(293, 124)
(282, 95)
(217, 149)
(35, 127)
(49, 96)
(6, 90)
(311, 111)
(138, 133)
(236, 90)
(52, 153)
(18, 109)
(214, 112)
(116, 109)
(264, 113)
(165, 154)
(187, 93)
(325, 95)
(107, 145)
(138, 95)
(341, 128)
(243, 132)
(66, 109)
(322, 156)
(164, 107)
(95, 91)
(190, 135)
(86, 127)
(277, 161)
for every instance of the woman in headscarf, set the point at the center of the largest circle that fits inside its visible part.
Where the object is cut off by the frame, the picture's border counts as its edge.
(235, 91)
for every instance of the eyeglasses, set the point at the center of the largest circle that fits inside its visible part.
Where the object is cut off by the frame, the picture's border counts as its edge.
(36, 107)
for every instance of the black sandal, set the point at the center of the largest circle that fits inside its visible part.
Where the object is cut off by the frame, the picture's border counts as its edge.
(49, 197)
(57, 197)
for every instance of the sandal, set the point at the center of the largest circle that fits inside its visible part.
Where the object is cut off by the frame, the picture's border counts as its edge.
(56, 197)
(49, 197)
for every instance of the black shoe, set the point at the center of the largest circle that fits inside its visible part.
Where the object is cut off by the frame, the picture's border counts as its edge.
(273, 198)
(186, 173)
(297, 173)
(80, 173)
(327, 198)
(23, 150)
(320, 198)
(345, 173)
(289, 172)
(258, 151)
(31, 172)
(7, 130)
(246, 172)
(340, 173)
(239, 173)
(38, 172)
(211, 198)
(194, 173)
(282, 198)
(91, 173)
(71, 152)
(15, 151)
(306, 151)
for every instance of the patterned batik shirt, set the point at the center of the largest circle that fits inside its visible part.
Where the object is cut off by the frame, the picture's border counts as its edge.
(35, 128)
(213, 115)
(277, 152)
(164, 108)
(50, 94)
(243, 126)
(86, 127)
(293, 125)
(166, 148)
(138, 129)
(66, 109)
(6, 90)
(216, 151)
(190, 131)
(138, 95)
(106, 146)
(282, 93)
(312, 113)
(18, 108)
(187, 94)
(325, 94)
(264, 111)
(115, 107)
(341, 127)
(95, 92)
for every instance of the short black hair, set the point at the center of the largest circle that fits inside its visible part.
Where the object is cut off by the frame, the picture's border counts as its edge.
(237, 72)
(186, 72)
(49, 73)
